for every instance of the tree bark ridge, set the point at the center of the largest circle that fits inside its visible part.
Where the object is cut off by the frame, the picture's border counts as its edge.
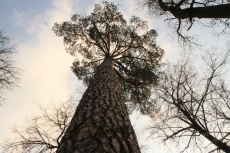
(101, 122)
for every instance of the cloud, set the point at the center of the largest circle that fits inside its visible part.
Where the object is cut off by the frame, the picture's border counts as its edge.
(46, 66)
(18, 16)
(45, 63)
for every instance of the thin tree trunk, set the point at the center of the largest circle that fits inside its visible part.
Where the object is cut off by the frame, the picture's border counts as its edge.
(101, 123)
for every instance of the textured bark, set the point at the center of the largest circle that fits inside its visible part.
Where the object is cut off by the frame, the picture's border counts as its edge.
(101, 123)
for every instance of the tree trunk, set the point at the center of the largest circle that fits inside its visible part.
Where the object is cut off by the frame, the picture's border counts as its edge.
(101, 122)
(215, 11)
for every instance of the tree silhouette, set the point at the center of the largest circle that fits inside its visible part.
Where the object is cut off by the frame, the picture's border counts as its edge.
(8, 73)
(42, 132)
(183, 14)
(193, 104)
(130, 68)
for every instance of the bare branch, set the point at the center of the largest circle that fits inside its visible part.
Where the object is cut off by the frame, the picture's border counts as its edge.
(196, 106)
(8, 73)
(42, 133)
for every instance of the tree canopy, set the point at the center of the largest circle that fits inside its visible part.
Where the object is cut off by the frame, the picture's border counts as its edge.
(132, 47)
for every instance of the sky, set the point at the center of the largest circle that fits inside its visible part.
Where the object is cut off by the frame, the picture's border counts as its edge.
(46, 74)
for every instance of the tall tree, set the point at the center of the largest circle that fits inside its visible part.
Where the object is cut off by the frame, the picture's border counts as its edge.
(129, 69)
(185, 13)
(193, 105)
(8, 73)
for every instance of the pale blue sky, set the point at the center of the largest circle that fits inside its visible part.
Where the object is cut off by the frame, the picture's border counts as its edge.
(46, 66)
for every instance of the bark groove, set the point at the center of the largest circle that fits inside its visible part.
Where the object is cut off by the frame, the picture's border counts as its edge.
(101, 123)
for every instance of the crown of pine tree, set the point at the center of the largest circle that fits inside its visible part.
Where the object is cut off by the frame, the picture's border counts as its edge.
(132, 48)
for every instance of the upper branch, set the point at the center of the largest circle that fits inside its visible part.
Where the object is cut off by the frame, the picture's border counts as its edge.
(105, 44)
(215, 11)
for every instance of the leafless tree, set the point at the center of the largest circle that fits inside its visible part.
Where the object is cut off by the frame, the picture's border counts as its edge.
(42, 133)
(183, 14)
(8, 73)
(194, 104)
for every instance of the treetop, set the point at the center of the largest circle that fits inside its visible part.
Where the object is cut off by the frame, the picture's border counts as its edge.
(105, 32)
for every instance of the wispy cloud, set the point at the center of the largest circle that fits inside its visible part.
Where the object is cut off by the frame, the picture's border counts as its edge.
(45, 64)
